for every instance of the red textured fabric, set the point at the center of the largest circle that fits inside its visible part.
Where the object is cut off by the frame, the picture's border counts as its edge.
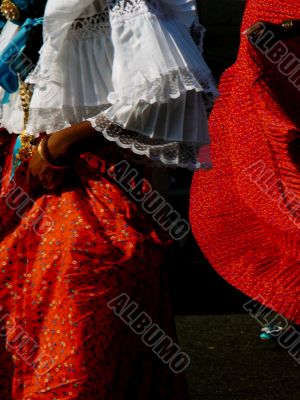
(245, 213)
(55, 288)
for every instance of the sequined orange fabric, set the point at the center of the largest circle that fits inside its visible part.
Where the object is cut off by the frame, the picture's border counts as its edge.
(245, 213)
(54, 290)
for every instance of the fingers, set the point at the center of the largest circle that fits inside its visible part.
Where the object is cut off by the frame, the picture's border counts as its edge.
(28, 177)
(48, 180)
(40, 176)
(30, 181)
(255, 30)
(250, 30)
(45, 180)
(52, 179)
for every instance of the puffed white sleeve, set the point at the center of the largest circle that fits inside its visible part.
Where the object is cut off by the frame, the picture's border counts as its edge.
(137, 75)
(161, 85)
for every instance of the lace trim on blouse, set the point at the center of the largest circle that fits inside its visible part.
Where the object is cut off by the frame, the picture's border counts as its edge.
(86, 27)
(186, 155)
(114, 10)
(175, 154)
(120, 9)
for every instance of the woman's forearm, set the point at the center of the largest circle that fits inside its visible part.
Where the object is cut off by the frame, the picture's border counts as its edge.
(291, 27)
(284, 30)
(296, 26)
(75, 140)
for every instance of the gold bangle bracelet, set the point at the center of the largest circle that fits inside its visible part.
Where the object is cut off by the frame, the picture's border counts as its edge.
(42, 154)
(288, 25)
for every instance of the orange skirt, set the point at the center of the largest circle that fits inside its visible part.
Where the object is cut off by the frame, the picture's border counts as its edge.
(63, 257)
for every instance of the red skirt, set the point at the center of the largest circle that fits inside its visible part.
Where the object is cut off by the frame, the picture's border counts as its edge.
(245, 212)
(63, 258)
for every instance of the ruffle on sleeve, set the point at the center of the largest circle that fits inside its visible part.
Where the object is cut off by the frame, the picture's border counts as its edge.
(161, 84)
(136, 65)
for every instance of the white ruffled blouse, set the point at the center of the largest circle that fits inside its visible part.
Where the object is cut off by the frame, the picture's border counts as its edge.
(135, 63)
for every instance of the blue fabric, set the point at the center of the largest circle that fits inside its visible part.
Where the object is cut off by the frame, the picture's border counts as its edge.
(15, 161)
(24, 4)
(27, 5)
(30, 8)
(11, 58)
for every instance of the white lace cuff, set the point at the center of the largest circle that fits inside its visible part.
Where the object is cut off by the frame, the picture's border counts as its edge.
(172, 154)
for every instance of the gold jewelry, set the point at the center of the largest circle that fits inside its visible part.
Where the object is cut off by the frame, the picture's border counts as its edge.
(26, 149)
(9, 10)
(12, 13)
(41, 150)
(288, 25)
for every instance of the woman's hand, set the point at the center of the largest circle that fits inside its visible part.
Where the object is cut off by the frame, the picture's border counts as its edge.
(254, 31)
(62, 146)
(40, 174)
(285, 30)
(259, 28)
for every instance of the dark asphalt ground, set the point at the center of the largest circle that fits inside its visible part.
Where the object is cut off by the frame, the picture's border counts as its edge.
(229, 362)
